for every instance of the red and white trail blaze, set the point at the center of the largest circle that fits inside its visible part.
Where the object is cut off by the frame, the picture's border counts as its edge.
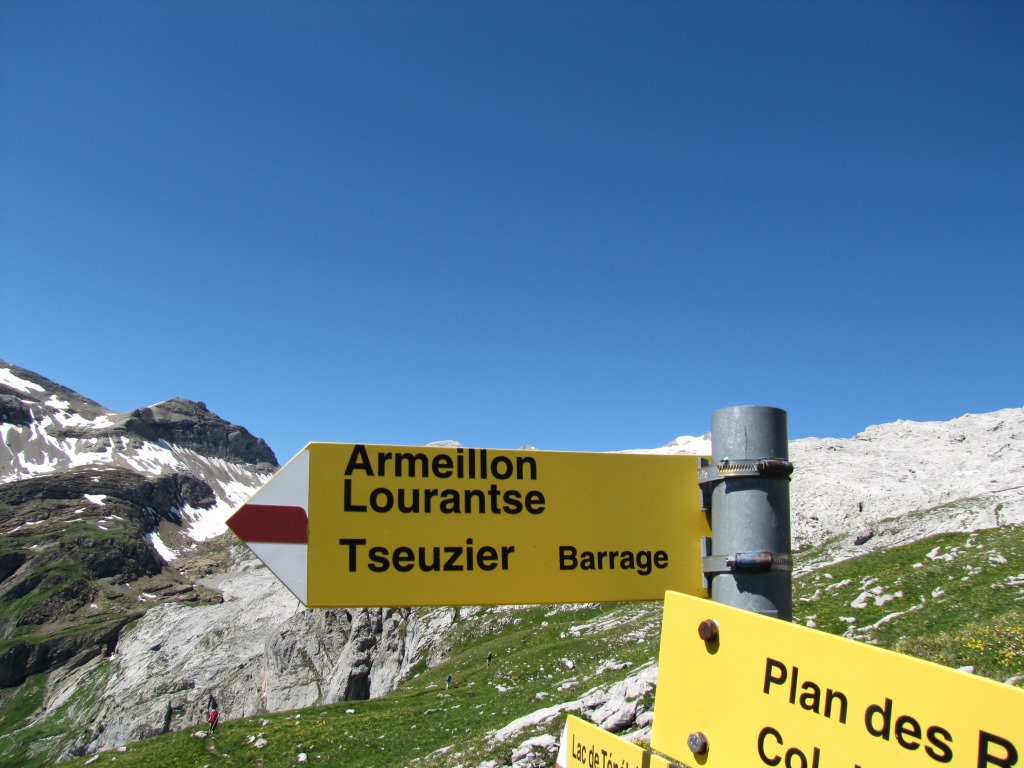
(274, 524)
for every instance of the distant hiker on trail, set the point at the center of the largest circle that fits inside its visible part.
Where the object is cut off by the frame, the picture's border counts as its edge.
(447, 682)
(489, 655)
(213, 720)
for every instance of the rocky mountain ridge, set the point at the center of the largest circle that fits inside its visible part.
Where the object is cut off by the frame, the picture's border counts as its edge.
(896, 483)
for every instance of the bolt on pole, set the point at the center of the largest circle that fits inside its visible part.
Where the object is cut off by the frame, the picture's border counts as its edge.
(750, 562)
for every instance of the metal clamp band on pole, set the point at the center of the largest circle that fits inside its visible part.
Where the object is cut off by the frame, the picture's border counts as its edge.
(748, 561)
(708, 474)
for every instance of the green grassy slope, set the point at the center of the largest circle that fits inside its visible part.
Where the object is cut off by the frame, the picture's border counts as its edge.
(957, 599)
(533, 649)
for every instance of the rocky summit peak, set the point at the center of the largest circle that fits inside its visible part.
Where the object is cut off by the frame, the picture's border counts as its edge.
(47, 429)
(190, 424)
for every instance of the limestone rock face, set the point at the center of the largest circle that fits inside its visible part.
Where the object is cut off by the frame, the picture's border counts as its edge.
(907, 480)
(335, 655)
(258, 651)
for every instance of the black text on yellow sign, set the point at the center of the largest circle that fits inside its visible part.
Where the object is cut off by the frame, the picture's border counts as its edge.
(799, 698)
(584, 745)
(395, 525)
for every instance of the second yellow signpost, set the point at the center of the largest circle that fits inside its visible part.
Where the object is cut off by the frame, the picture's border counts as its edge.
(739, 689)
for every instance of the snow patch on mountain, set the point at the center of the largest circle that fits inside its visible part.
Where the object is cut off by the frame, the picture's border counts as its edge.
(692, 446)
(8, 377)
(55, 430)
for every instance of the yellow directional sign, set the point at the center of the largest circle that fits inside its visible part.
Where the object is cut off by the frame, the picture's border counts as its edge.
(394, 525)
(766, 692)
(584, 745)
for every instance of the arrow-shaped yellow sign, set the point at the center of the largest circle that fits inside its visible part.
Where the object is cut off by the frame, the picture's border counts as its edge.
(398, 525)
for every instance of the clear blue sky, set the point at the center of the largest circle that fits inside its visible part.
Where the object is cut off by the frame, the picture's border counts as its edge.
(581, 226)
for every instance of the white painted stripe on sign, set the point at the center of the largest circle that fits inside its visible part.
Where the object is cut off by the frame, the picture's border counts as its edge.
(287, 561)
(289, 487)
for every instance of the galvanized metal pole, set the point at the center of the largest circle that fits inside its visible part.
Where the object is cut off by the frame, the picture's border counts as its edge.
(750, 562)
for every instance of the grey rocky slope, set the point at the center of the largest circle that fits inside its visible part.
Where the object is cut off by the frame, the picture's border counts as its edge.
(258, 651)
(105, 515)
(901, 482)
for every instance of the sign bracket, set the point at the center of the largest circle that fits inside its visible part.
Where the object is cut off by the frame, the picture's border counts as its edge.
(708, 475)
(747, 562)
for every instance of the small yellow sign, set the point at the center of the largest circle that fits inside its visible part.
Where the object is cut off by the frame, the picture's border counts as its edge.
(767, 692)
(393, 525)
(584, 745)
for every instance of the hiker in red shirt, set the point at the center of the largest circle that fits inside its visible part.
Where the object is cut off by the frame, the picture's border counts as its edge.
(213, 720)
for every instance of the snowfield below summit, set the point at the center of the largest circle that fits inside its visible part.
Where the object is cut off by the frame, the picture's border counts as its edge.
(61, 430)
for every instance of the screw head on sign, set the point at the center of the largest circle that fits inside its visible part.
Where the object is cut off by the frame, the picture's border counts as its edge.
(697, 742)
(708, 630)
